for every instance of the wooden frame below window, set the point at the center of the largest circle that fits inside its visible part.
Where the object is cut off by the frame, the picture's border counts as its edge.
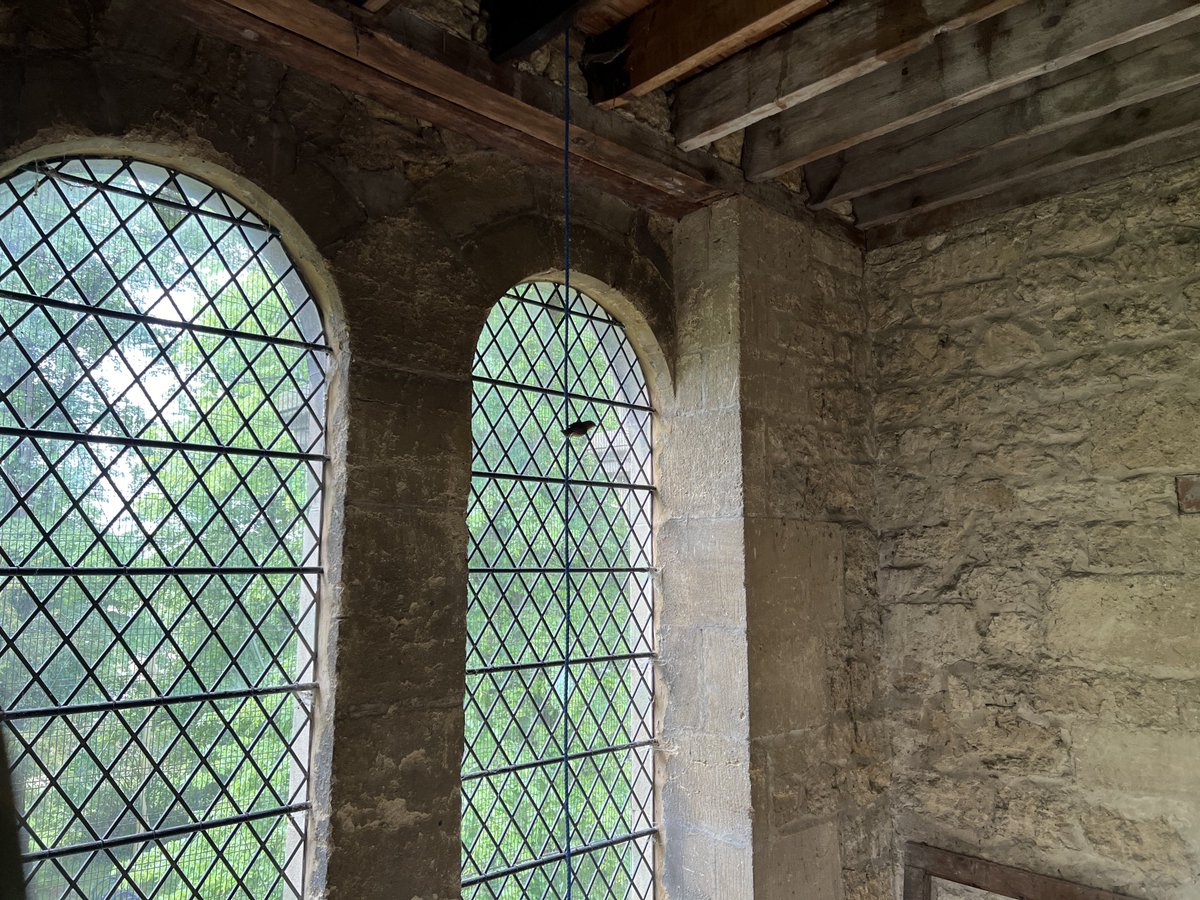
(922, 864)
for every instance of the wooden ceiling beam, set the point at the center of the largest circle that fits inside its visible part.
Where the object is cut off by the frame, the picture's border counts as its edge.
(672, 39)
(1139, 159)
(958, 68)
(517, 29)
(1131, 74)
(1043, 158)
(601, 15)
(847, 41)
(417, 69)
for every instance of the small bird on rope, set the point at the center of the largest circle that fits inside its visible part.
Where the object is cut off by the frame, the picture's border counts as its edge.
(579, 429)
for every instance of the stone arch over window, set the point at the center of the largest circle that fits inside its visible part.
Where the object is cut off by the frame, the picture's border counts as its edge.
(558, 771)
(164, 458)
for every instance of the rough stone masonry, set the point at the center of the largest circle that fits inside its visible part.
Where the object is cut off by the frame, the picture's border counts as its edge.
(1039, 374)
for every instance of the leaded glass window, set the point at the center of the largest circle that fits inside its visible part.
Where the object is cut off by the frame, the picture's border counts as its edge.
(558, 786)
(162, 396)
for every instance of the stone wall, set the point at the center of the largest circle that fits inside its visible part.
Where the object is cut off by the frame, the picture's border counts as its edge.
(1039, 374)
(778, 571)
(818, 749)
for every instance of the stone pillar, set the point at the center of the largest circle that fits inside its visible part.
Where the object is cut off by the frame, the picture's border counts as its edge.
(401, 623)
(817, 748)
(768, 558)
(704, 694)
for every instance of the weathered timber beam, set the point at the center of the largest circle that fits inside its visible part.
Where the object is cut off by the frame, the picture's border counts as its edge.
(850, 39)
(417, 69)
(958, 68)
(423, 71)
(517, 29)
(1134, 73)
(675, 38)
(1043, 157)
(601, 15)
(917, 884)
(1138, 159)
(996, 878)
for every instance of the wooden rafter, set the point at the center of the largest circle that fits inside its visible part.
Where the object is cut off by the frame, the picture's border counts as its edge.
(601, 15)
(1111, 168)
(1133, 74)
(672, 39)
(1041, 158)
(849, 40)
(517, 29)
(418, 69)
(959, 68)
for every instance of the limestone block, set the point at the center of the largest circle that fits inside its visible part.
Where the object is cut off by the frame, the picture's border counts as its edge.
(931, 351)
(1077, 234)
(794, 596)
(700, 768)
(805, 865)
(1146, 430)
(797, 777)
(701, 455)
(701, 866)
(475, 193)
(1138, 762)
(960, 304)
(703, 684)
(703, 566)
(921, 640)
(1146, 623)
(1152, 840)
(409, 439)
(1006, 344)
(1014, 634)
(707, 378)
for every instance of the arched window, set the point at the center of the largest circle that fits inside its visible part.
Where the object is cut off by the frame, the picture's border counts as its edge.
(558, 781)
(162, 399)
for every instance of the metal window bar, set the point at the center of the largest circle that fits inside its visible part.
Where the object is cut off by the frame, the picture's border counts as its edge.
(162, 385)
(558, 796)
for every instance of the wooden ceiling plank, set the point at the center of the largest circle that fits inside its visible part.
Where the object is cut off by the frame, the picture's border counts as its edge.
(418, 69)
(421, 56)
(1140, 159)
(601, 15)
(675, 38)
(517, 29)
(1134, 73)
(218, 18)
(1043, 158)
(847, 41)
(959, 68)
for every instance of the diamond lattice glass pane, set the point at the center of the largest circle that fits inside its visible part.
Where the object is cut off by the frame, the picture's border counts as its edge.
(162, 396)
(558, 785)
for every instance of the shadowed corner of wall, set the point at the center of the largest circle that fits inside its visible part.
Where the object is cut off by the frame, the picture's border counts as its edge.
(12, 881)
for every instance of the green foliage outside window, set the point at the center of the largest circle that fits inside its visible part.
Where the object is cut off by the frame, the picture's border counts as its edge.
(558, 523)
(162, 385)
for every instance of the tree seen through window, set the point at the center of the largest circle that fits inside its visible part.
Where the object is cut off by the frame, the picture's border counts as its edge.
(558, 787)
(162, 395)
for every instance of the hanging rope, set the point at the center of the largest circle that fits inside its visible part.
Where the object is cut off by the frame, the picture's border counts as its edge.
(567, 416)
